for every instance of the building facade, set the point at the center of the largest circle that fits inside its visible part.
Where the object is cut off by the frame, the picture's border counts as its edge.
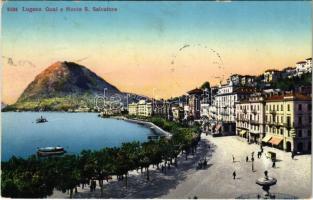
(288, 122)
(142, 108)
(250, 118)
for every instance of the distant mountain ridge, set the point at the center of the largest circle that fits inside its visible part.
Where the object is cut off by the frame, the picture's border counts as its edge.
(64, 86)
(64, 78)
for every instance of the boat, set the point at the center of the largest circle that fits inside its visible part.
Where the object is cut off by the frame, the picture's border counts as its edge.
(41, 120)
(50, 151)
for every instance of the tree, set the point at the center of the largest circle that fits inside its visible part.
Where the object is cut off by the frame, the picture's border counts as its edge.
(205, 85)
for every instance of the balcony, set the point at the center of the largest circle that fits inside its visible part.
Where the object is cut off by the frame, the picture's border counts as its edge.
(254, 112)
(273, 112)
(255, 122)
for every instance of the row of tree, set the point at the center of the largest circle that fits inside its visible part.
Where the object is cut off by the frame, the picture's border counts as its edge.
(36, 177)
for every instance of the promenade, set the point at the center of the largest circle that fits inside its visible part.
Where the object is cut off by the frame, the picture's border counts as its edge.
(216, 181)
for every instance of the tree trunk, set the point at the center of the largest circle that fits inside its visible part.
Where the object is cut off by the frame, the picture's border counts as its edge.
(101, 187)
(75, 190)
(158, 166)
(71, 193)
(126, 179)
(148, 178)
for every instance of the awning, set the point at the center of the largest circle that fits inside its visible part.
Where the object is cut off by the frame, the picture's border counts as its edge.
(276, 140)
(242, 132)
(266, 138)
(218, 127)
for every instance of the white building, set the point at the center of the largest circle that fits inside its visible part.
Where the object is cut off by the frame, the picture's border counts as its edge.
(250, 118)
(142, 108)
(304, 67)
(224, 102)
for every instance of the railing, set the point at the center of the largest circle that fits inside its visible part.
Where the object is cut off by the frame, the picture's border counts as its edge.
(254, 112)
(254, 122)
(273, 112)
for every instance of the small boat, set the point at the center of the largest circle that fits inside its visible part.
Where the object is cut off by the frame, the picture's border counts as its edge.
(50, 151)
(41, 120)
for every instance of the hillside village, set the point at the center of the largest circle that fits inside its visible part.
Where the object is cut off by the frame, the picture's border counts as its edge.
(272, 109)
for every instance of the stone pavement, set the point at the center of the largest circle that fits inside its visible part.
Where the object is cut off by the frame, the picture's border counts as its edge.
(294, 176)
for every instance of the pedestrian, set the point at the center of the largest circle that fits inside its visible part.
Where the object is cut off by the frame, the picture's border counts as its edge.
(234, 175)
(252, 154)
(292, 155)
(247, 159)
(233, 158)
(273, 165)
(252, 159)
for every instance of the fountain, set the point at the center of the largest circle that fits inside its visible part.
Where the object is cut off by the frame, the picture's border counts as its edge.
(266, 182)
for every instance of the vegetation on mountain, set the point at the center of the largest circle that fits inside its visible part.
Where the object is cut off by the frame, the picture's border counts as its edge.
(63, 86)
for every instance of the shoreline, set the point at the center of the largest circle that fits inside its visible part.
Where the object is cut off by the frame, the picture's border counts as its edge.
(156, 129)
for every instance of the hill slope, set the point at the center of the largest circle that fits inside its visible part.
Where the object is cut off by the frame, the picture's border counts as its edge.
(63, 86)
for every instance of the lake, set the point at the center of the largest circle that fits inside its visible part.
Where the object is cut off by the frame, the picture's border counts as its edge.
(21, 135)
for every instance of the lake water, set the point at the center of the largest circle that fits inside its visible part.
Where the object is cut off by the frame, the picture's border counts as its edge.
(21, 135)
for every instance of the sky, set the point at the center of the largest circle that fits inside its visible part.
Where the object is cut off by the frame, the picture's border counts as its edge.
(158, 49)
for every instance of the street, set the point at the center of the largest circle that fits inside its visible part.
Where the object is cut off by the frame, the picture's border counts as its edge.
(293, 176)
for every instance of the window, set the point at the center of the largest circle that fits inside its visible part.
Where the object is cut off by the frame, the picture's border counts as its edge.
(288, 107)
(309, 107)
(300, 133)
(300, 120)
(309, 133)
(282, 131)
(282, 119)
(277, 107)
(281, 108)
(300, 107)
(266, 107)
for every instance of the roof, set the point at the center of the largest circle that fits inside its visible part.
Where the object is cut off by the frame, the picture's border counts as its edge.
(308, 59)
(272, 70)
(195, 91)
(287, 68)
(301, 62)
(246, 90)
(295, 97)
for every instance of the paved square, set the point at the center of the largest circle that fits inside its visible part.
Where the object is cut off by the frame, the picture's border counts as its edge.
(294, 176)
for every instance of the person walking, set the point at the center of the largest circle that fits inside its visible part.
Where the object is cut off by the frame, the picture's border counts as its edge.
(292, 155)
(274, 164)
(252, 160)
(233, 158)
(247, 158)
(234, 175)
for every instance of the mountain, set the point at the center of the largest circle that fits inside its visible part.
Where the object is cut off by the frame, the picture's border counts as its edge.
(64, 78)
(64, 86)
(3, 105)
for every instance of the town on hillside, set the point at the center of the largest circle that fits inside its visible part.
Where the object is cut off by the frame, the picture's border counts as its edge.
(272, 109)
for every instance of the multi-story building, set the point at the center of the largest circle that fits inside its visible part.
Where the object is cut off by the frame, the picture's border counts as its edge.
(178, 113)
(304, 67)
(242, 80)
(132, 108)
(142, 108)
(194, 100)
(250, 118)
(161, 108)
(271, 75)
(288, 122)
(224, 102)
